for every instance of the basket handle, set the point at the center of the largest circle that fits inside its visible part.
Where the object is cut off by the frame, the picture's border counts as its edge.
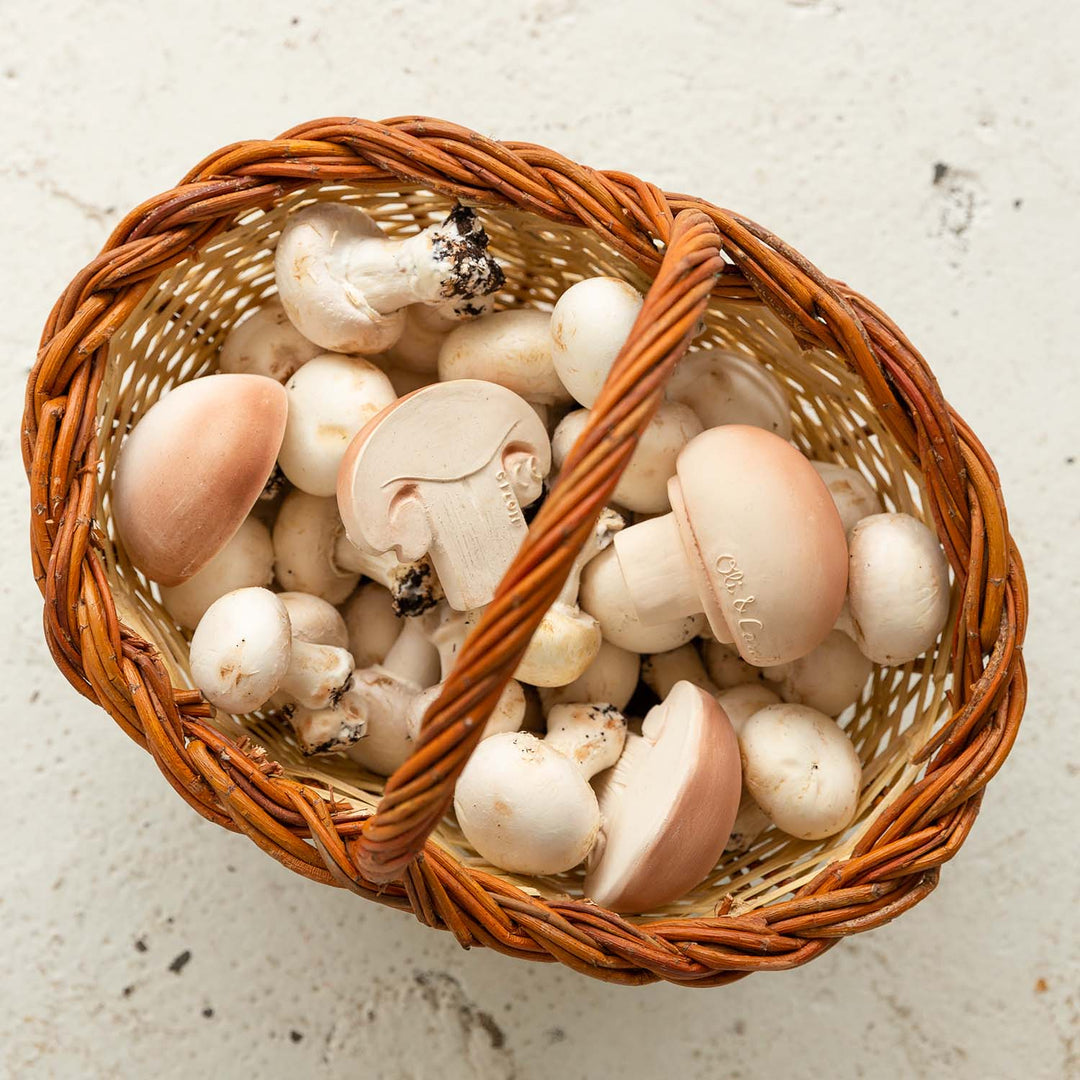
(419, 793)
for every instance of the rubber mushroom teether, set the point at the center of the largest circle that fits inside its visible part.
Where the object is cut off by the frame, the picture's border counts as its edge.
(266, 343)
(344, 283)
(445, 472)
(668, 805)
(762, 553)
(192, 468)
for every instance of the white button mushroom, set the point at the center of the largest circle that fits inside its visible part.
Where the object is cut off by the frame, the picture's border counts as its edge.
(266, 343)
(246, 560)
(526, 806)
(426, 327)
(447, 629)
(314, 620)
(605, 596)
(404, 381)
(567, 640)
(762, 553)
(511, 348)
(243, 652)
(801, 769)
(445, 472)
(726, 667)
(851, 491)
(828, 679)
(330, 399)
(589, 324)
(191, 470)
(726, 388)
(612, 677)
(643, 486)
(898, 588)
(661, 671)
(313, 555)
(344, 283)
(667, 806)
(382, 694)
(372, 624)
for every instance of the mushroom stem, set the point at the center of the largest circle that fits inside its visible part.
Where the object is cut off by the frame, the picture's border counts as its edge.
(317, 674)
(607, 525)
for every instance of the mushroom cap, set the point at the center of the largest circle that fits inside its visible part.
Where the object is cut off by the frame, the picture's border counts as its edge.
(899, 587)
(726, 667)
(241, 649)
(525, 807)
(314, 620)
(383, 700)
(246, 560)
(668, 805)
(373, 627)
(563, 646)
(610, 679)
(511, 348)
(766, 545)
(605, 597)
(851, 491)
(266, 343)
(643, 486)
(741, 702)
(590, 734)
(305, 535)
(311, 267)
(330, 399)
(828, 679)
(801, 769)
(589, 325)
(192, 468)
(725, 388)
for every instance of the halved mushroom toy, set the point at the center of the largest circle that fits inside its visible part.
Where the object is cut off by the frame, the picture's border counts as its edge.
(345, 284)
(445, 472)
(191, 470)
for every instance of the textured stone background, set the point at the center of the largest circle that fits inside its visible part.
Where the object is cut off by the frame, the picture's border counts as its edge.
(927, 153)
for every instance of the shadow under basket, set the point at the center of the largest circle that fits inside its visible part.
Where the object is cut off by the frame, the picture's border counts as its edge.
(152, 310)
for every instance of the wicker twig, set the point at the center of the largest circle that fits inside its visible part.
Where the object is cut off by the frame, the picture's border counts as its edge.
(874, 403)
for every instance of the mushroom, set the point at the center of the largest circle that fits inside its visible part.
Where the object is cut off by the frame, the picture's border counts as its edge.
(344, 283)
(381, 695)
(801, 769)
(667, 806)
(605, 596)
(312, 555)
(898, 587)
(266, 343)
(244, 651)
(314, 620)
(330, 399)
(447, 629)
(661, 671)
(372, 624)
(727, 668)
(643, 486)
(612, 677)
(726, 388)
(741, 702)
(426, 327)
(247, 559)
(525, 803)
(762, 553)
(828, 679)
(851, 491)
(192, 468)
(589, 324)
(445, 472)
(404, 381)
(511, 348)
(567, 640)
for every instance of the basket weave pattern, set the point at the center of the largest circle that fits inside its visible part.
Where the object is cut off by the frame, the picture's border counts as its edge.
(176, 273)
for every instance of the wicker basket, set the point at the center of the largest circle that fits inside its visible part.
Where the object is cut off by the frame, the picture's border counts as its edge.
(151, 311)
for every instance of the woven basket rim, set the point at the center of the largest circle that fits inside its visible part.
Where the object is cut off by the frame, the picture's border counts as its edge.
(896, 862)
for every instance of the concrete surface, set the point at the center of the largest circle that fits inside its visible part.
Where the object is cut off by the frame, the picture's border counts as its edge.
(927, 153)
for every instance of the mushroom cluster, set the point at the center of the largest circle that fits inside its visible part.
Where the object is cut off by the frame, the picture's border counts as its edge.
(329, 515)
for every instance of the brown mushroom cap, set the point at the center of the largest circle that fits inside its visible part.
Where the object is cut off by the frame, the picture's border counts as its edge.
(192, 468)
(668, 805)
